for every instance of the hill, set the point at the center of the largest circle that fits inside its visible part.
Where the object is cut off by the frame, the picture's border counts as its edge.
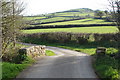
(81, 10)
(69, 17)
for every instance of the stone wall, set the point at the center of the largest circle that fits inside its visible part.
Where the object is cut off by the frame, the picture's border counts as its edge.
(33, 51)
(100, 51)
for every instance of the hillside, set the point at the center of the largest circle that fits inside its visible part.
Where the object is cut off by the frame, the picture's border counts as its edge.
(73, 17)
(81, 10)
(63, 15)
(74, 12)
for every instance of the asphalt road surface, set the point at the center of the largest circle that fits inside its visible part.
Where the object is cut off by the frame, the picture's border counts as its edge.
(66, 64)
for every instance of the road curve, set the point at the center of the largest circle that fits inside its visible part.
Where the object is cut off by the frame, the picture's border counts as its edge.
(66, 64)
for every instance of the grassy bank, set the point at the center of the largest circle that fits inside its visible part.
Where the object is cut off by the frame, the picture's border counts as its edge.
(11, 70)
(107, 68)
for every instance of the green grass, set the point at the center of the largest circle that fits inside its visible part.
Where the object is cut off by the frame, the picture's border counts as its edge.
(107, 67)
(21, 45)
(50, 53)
(33, 18)
(82, 48)
(11, 70)
(103, 29)
(87, 49)
(62, 16)
(84, 21)
(53, 19)
(0, 70)
(74, 14)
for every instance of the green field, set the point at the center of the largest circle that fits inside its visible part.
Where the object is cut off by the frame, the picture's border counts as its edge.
(83, 21)
(33, 18)
(53, 19)
(74, 14)
(103, 29)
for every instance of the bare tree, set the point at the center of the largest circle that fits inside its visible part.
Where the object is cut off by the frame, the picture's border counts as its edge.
(0, 32)
(11, 23)
(99, 14)
(115, 5)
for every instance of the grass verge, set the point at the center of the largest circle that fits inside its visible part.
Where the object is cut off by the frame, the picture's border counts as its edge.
(50, 53)
(11, 70)
(107, 68)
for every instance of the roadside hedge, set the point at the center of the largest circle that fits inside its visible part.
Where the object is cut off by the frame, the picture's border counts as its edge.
(66, 37)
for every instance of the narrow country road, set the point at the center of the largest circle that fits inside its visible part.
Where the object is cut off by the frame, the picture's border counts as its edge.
(66, 64)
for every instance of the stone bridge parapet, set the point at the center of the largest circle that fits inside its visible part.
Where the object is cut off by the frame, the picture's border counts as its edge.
(34, 51)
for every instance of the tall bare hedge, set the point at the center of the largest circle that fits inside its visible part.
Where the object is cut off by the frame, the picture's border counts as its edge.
(115, 5)
(11, 24)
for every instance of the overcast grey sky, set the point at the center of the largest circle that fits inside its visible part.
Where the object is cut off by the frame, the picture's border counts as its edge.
(34, 7)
